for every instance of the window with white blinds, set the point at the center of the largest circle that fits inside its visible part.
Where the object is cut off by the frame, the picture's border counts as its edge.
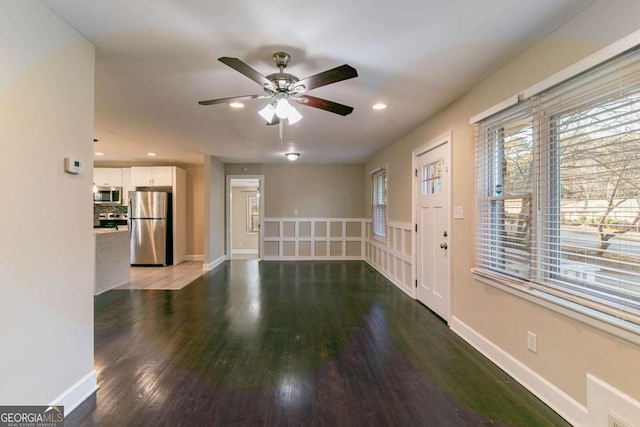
(559, 189)
(505, 150)
(379, 202)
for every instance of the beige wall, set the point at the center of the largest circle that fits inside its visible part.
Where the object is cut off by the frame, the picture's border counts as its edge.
(240, 239)
(195, 209)
(214, 210)
(315, 191)
(46, 267)
(568, 349)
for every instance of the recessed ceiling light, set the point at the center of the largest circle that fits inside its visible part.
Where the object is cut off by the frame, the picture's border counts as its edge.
(379, 106)
(236, 105)
(151, 154)
(292, 156)
(98, 153)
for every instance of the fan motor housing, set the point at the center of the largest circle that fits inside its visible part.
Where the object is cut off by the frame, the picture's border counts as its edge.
(282, 80)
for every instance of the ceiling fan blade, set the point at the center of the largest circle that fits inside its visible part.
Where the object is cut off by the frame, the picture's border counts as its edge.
(333, 75)
(323, 104)
(243, 68)
(232, 99)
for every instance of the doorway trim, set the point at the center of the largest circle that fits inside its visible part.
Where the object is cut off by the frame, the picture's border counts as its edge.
(446, 138)
(227, 216)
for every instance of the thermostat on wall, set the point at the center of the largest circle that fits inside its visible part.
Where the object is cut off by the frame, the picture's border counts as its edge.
(72, 165)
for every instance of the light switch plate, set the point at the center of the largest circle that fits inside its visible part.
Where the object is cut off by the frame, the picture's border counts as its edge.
(532, 342)
(458, 213)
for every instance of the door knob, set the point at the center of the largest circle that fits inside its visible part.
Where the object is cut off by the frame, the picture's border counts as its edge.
(443, 246)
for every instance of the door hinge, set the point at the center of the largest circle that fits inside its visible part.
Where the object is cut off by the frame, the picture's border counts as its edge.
(416, 228)
(416, 283)
(416, 172)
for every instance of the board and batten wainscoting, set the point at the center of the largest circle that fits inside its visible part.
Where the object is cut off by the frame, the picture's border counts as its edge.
(393, 257)
(314, 239)
(342, 239)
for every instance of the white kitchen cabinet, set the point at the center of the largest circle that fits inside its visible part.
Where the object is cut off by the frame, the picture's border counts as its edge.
(127, 185)
(107, 177)
(152, 176)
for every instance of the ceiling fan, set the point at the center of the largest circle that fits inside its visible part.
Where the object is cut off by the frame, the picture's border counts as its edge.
(283, 87)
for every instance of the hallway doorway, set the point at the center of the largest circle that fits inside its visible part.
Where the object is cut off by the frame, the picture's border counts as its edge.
(245, 211)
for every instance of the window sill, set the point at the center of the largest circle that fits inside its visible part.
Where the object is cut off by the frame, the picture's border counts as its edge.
(379, 238)
(609, 324)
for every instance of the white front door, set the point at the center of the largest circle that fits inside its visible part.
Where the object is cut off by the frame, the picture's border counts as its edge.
(433, 233)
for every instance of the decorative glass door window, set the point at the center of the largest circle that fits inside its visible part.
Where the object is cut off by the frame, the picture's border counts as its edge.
(432, 178)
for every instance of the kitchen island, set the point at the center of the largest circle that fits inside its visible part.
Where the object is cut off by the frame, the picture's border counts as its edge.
(113, 266)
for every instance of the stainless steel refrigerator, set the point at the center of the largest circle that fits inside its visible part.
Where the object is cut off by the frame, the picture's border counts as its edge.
(150, 227)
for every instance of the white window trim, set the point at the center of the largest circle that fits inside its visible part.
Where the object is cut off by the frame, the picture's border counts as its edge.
(509, 102)
(386, 206)
(607, 323)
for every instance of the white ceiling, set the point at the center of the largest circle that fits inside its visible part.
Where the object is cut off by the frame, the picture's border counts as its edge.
(155, 59)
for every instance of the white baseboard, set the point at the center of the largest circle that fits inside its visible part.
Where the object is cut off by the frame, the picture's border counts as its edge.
(569, 408)
(604, 399)
(393, 280)
(214, 264)
(77, 393)
(244, 251)
(312, 258)
(193, 257)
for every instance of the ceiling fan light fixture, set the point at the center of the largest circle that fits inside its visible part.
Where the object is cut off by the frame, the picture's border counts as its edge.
(292, 156)
(268, 112)
(283, 108)
(294, 116)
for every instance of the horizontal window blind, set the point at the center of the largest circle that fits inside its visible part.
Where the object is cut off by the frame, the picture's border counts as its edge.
(588, 228)
(559, 189)
(379, 187)
(504, 156)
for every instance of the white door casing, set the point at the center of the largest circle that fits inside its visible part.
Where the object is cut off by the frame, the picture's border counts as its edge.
(261, 186)
(432, 195)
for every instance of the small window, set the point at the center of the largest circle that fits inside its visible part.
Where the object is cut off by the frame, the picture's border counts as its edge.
(253, 213)
(432, 178)
(379, 190)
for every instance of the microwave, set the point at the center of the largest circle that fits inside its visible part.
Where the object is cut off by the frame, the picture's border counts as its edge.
(107, 195)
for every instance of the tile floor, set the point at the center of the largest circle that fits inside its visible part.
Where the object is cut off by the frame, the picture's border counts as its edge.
(172, 277)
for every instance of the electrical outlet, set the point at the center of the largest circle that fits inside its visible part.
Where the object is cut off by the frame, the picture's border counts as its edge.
(532, 342)
(614, 421)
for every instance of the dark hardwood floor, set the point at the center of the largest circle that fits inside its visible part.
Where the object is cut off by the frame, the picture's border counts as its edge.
(291, 343)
